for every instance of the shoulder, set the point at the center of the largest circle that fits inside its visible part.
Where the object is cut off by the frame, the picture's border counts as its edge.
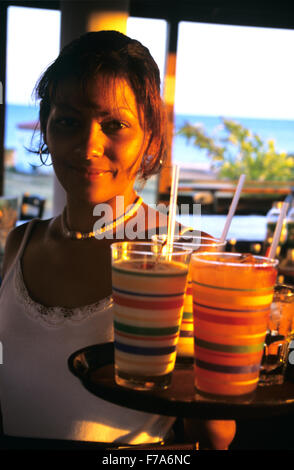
(14, 241)
(12, 246)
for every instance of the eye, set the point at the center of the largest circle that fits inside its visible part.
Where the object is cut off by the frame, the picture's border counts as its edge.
(66, 122)
(112, 126)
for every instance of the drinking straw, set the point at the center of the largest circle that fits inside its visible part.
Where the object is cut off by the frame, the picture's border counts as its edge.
(278, 230)
(233, 207)
(172, 208)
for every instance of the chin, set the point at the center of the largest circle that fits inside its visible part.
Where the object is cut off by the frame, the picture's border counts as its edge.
(97, 197)
(95, 194)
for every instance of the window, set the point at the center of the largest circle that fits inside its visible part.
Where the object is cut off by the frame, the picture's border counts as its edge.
(236, 72)
(139, 28)
(32, 43)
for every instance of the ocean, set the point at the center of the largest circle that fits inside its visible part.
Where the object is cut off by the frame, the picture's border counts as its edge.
(15, 115)
(184, 153)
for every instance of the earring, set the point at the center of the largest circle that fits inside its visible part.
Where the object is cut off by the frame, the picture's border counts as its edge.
(41, 150)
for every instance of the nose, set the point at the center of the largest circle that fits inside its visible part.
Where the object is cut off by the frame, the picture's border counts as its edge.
(94, 141)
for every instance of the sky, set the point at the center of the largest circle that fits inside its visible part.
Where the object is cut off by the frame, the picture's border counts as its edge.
(221, 69)
(33, 42)
(235, 70)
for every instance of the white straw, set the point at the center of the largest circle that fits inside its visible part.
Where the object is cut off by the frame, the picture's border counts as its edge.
(172, 207)
(233, 207)
(278, 230)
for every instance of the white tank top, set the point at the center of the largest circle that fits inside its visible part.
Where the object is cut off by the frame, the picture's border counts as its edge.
(40, 398)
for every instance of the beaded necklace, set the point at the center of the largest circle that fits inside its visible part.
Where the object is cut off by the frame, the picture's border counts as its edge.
(76, 235)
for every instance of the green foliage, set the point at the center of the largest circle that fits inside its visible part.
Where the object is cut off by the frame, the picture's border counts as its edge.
(235, 150)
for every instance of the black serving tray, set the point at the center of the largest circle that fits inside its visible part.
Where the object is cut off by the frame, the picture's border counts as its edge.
(93, 366)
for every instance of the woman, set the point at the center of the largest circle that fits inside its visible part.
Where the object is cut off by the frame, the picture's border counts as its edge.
(102, 121)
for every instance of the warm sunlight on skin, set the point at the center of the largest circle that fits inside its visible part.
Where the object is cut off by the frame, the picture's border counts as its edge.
(96, 145)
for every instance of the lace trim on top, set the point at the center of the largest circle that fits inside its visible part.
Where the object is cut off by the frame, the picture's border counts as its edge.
(55, 316)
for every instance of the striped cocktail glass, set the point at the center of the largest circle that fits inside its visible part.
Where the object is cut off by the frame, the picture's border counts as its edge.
(148, 290)
(232, 294)
(197, 243)
(185, 347)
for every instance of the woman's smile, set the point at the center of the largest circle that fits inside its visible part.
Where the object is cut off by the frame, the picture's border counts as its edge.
(91, 173)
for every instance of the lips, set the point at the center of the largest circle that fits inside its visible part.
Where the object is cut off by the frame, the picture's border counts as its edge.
(95, 172)
(91, 172)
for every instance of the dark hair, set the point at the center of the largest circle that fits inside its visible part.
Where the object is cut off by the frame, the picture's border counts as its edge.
(112, 55)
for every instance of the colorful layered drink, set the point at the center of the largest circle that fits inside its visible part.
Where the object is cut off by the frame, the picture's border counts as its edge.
(232, 295)
(185, 347)
(197, 243)
(148, 293)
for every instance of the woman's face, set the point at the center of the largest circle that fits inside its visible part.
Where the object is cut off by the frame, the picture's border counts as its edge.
(96, 144)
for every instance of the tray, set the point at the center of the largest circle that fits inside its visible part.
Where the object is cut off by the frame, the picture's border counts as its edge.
(94, 367)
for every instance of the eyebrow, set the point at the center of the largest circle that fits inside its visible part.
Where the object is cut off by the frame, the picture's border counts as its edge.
(93, 106)
(66, 106)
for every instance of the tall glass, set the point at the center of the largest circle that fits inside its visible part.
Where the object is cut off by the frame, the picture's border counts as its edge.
(148, 292)
(185, 347)
(279, 334)
(232, 295)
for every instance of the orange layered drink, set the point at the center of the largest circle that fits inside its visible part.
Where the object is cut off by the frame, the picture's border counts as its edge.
(148, 293)
(232, 294)
(185, 347)
(197, 243)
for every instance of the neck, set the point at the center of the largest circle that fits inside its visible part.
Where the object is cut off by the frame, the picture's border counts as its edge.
(80, 216)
